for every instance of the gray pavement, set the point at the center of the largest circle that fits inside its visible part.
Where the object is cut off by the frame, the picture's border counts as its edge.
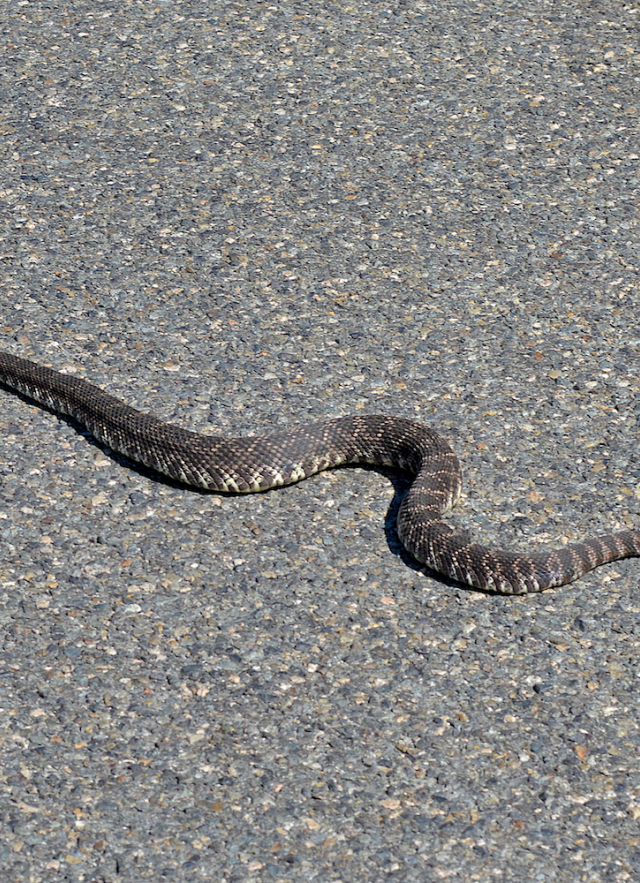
(241, 215)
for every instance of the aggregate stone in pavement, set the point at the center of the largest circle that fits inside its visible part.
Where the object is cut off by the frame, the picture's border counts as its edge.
(238, 216)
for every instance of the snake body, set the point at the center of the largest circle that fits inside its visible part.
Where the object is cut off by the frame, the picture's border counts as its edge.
(257, 463)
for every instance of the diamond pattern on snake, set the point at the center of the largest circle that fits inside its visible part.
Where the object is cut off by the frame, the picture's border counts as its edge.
(258, 463)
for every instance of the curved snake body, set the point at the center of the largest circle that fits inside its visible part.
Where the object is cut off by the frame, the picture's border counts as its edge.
(246, 465)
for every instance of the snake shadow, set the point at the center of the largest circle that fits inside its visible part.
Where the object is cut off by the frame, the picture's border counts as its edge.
(401, 484)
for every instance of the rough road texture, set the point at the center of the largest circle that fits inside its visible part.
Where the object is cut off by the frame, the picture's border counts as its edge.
(259, 215)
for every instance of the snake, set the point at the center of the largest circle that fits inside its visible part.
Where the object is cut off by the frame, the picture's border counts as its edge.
(261, 462)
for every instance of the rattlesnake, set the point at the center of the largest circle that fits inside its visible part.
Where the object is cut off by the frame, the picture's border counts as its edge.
(256, 463)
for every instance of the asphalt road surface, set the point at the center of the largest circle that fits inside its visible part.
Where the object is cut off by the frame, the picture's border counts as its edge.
(245, 215)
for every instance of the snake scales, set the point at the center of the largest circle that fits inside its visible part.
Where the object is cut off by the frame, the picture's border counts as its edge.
(245, 465)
